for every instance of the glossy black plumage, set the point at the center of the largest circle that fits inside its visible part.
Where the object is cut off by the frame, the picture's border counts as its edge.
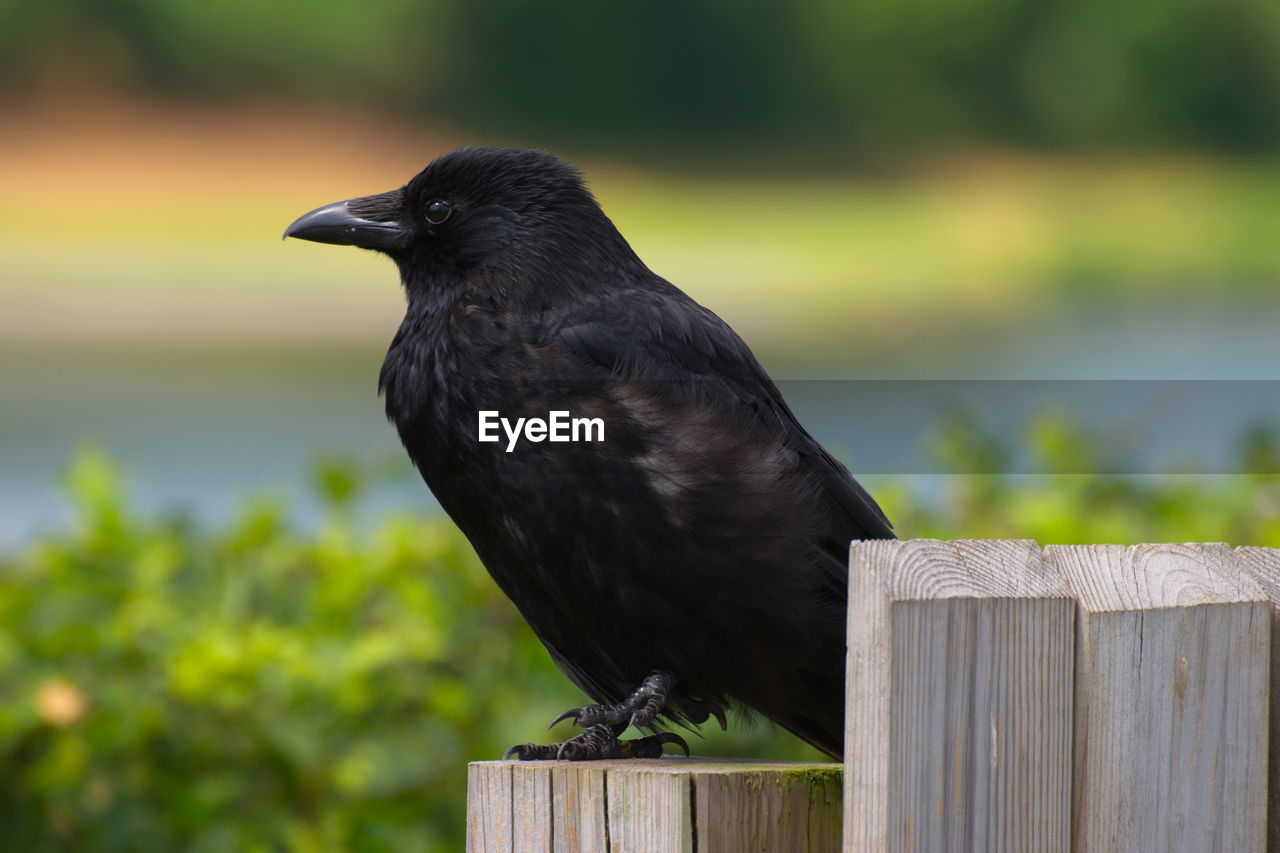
(706, 535)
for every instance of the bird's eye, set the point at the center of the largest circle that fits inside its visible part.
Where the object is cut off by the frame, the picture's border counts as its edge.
(438, 211)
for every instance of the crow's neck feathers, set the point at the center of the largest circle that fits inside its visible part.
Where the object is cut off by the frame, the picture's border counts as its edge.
(550, 263)
(544, 264)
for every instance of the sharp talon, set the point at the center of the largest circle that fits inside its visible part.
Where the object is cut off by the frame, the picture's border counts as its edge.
(603, 724)
(672, 737)
(530, 752)
(572, 712)
(570, 751)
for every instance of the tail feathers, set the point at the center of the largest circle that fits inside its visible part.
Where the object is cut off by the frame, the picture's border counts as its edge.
(822, 737)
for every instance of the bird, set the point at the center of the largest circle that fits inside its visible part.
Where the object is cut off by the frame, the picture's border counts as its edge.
(685, 556)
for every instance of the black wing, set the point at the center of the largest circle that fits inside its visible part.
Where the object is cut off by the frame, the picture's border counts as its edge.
(656, 332)
(771, 506)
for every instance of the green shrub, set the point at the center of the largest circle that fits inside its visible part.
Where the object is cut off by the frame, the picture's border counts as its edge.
(258, 688)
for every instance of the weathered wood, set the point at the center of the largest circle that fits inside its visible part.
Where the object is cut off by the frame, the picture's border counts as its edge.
(531, 832)
(659, 806)
(648, 811)
(999, 698)
(1171, 697)
(1263, 566)
(754, 806)
(578, 814)
(958, 720)
(489, 801)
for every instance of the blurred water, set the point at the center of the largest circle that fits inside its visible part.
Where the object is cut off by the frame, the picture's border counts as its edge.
(201, 429)
(195, 430)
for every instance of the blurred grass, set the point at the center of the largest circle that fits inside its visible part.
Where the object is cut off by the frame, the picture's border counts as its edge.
(116, 224)
(257, 688)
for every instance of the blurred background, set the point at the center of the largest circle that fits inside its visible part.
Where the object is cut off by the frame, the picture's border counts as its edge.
(231, 617)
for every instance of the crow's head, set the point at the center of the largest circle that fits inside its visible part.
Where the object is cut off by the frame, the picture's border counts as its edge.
(490, 207)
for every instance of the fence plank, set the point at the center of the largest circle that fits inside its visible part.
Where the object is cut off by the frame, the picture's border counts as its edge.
(959, 714)
(489, 809)
(649, 812)
(578, 817)
(658, 806)
(987, 709)
(531, 797)
(1263, 566)
(742, 806)
(1171, 692)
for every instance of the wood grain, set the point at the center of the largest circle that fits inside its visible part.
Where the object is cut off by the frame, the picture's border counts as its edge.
(1263, 567)
(1000, 698)
(532, 826)
(1171, 693)
(577, 811)
(958, 717)
(648, 811)
(659, 806)
(489, 809)
(741, 807)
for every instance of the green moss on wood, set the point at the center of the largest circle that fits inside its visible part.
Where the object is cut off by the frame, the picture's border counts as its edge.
(814, 777)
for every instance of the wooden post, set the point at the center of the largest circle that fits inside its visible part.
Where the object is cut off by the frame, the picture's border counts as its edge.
(1000, 698)
(958, 717)
(1171, 698)
(1263, 566)
(672, 805)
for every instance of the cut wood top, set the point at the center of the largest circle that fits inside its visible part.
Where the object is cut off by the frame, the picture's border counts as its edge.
(670, 805)
(1147, 576)
(1152, 576)
(695, 764)
(922, 569)
(1263, 566)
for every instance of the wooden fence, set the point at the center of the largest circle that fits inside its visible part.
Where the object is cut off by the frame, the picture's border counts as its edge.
(1001, 697)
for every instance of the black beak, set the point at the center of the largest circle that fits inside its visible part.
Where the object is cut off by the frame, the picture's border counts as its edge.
(365, 222)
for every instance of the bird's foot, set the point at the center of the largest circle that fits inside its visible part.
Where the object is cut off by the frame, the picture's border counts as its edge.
(598, 742)
(642, 707)
(639, 709)
(604, 724)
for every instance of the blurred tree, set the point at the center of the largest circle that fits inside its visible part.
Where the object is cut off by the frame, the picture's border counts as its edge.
(822, 73)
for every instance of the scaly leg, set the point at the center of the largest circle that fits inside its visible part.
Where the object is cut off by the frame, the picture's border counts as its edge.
(605, 723)
(597, 742)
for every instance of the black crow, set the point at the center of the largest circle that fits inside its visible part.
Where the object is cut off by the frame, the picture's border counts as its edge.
(688, 551)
